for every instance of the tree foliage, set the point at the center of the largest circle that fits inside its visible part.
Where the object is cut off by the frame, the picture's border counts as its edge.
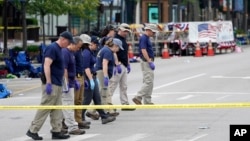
(44, 7)
(60, 7)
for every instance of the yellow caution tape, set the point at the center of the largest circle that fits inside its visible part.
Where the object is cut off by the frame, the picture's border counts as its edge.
(157, 106)
(18, 27)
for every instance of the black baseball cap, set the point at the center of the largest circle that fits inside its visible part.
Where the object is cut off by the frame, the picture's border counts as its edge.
(67, 35)
(95, 39)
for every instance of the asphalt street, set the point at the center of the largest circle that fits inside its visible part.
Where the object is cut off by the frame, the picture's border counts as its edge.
(180, 80)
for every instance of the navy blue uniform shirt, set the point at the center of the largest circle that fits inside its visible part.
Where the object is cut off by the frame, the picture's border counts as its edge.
(89, 60)
(69, 64)
(123, 54)
(105, 53)
(54, 52)
(145, 43)
(79, 62)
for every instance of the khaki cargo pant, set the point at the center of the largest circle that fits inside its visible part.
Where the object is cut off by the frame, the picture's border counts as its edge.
(55, 98)
(148, 83)
(121, 80)
(79, 94)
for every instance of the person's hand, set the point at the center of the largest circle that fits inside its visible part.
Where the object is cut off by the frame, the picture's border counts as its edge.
(119, 68)
(77, 85)
(86, 84)
(66, 91)
(92, 84)
(128, 68)
(48, 88)
(106, 81)
(152, 65)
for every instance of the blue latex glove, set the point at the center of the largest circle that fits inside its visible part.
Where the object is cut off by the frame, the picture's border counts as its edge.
(92, 84)
(128, 68)
(106, 81)
(77, 85)
(119, 68)
(86, 84)
(152, 65)
(48, 88)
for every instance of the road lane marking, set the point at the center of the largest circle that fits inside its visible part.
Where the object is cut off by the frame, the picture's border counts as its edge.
(230, 77)
(135, 137)
(27, 89)
(185, 97)
(178, 81)
(223, 97)
(219, 93)
(198, 137)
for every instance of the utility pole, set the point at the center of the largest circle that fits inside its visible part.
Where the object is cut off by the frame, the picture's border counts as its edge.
(23, 6)
(228, 9)
(5, 30)
(111, 11)
(159, 11)
(178, 18)
(245, 16)
(170, 8)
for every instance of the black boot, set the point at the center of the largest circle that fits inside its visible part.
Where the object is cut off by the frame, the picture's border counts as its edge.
(34, 136)
(59, 135)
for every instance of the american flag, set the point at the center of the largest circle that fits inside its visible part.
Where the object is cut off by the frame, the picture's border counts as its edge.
(182, 26)
(207, 31)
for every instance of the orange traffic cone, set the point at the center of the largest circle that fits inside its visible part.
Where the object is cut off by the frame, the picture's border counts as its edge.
(210, 51)
(130, 52)
(164, 52)
(198, 50)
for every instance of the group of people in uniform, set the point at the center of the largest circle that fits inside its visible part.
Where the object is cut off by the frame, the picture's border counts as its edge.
(85, 69)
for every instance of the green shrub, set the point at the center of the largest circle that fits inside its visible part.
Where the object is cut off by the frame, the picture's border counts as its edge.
(17, 49)
(33, 48)
(31, 21)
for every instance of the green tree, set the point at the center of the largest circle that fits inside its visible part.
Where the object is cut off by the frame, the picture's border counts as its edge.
(59, 7)
(85, 9)
(44, 7)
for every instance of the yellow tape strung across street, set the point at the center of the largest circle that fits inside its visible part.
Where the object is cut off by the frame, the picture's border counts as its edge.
(18, 27)
(158, 106)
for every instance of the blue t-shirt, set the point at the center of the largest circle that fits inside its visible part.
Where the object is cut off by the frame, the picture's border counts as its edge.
(105, 53)
(145, 43)
(54, 52)
(89, 60)
(69, 64)
(79, 62)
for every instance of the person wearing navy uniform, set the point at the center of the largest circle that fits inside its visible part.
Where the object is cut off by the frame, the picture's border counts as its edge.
(123, 67)
(79, 94)
(104, 67)
(53, 71)
(147, 65)
(92, 91)
(70, 83)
